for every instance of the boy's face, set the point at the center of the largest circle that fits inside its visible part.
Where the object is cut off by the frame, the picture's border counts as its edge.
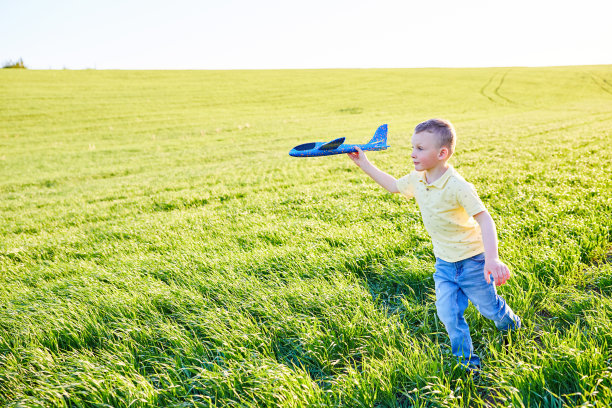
(426, 153)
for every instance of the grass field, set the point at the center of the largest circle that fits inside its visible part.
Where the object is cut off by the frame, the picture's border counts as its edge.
(159, 247)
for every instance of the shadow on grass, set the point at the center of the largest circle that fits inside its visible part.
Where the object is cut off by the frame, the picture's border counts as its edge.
(403, 288)
(393, 282)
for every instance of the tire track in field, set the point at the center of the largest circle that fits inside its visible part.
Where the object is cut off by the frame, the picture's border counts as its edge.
(602, 83)
(482, 90)
(565, 127)
(493, 94)
(501, 82)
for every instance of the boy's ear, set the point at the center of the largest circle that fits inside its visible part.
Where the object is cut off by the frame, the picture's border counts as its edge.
(443, 153)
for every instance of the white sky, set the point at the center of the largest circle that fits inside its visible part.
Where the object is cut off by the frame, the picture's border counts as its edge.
(235, 34)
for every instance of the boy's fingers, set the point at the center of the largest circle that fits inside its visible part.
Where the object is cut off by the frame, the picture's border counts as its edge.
(505, 274)
(487, 278)
(501, 273)
(501, 277)
(496, 278)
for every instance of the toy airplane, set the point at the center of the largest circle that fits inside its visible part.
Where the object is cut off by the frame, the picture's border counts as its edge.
(337, 146)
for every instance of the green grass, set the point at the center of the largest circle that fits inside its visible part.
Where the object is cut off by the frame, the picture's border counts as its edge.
(160, 248)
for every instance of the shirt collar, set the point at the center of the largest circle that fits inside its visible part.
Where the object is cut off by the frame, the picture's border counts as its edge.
(441, 182)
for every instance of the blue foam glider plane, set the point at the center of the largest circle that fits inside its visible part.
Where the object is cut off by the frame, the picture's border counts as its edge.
(337, 146)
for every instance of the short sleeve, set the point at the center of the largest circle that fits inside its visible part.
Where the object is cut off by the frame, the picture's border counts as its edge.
(405, 185)
(469, 200)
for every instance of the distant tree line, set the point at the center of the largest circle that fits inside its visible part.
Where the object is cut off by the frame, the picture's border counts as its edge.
(14, 64)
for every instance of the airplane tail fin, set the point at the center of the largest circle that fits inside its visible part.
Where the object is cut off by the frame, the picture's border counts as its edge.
(380, 136)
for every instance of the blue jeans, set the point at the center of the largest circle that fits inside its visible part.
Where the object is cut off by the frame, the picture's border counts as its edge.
(458, 282)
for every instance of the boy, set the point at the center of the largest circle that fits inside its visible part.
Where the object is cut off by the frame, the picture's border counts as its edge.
(463, 234)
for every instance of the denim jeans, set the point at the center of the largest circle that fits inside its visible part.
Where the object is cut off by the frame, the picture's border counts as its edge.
(458, 282)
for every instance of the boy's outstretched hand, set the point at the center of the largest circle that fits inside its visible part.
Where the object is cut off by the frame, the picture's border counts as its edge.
(359, 157)
(498, 270)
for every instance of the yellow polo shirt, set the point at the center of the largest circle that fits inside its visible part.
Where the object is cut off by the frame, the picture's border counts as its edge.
(447, 207)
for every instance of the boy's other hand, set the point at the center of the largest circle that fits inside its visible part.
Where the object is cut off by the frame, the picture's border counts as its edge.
(498, 270)
(359, 157)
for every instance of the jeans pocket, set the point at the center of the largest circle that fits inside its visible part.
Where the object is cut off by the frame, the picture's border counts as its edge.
(479, 258)
(475, 266)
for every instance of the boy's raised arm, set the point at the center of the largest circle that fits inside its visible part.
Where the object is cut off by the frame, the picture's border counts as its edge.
(387, 181)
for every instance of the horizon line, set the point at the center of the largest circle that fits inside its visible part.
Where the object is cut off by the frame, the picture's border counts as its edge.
(306, 69)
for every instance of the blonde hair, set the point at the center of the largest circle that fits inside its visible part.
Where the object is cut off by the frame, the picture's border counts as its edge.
(443, 129)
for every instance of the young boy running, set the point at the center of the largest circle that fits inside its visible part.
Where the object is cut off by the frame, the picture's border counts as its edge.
(463, 234)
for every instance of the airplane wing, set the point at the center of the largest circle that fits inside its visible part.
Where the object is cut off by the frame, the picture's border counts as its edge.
(333, 144)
